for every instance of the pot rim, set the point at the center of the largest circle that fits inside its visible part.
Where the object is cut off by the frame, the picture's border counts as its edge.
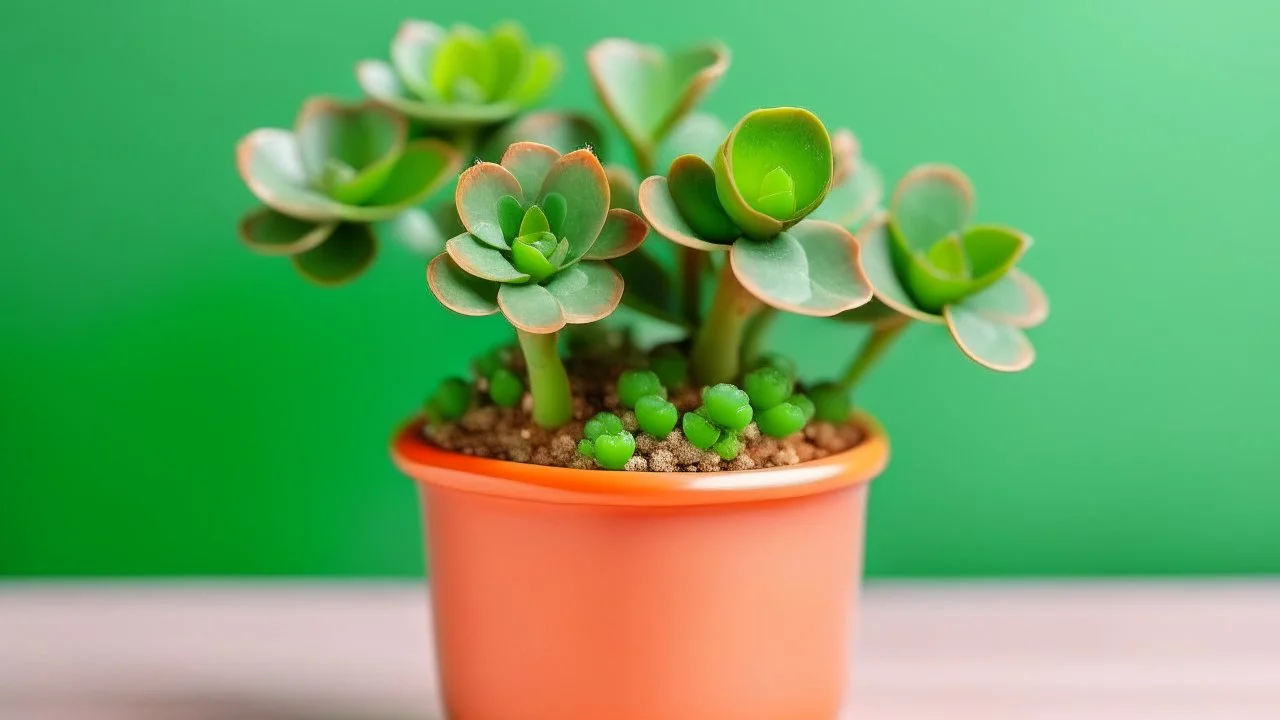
(432, 466)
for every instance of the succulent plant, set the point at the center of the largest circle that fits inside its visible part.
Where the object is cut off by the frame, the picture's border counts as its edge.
(539, 229)
(772, 170)
(450, 401)
(648, 91)
(656, 415)
(461, 76)
(716, 424)
(670, 365)
(778, 411)
(342, 167)
(635, 384)
(927, 261)
(607, 442)
(831, 402)
(505, 388)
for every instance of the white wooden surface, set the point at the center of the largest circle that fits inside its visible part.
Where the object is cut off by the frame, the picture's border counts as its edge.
(359, 652)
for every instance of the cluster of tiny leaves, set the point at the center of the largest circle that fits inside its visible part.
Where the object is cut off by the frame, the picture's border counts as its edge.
(505, 387)
(605, 440)
(717, 424)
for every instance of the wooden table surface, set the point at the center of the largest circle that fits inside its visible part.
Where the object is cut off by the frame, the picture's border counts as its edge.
(203, 651)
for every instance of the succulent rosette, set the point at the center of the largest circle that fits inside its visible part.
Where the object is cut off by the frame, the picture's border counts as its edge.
(342, 167)
(773, 170)
(539, 229)
(461, 76)
(926, 261)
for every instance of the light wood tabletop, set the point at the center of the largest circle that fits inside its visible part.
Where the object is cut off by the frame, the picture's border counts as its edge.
(209, 651)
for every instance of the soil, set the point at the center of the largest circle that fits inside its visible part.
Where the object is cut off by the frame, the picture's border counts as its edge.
(510, 434)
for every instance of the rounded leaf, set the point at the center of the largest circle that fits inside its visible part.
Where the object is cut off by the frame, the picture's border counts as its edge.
(613, 451)
(529, 163)
(587, 291)
(413, 52)
(579, 178)
(344, 255)
(424, 167)
(483, 261)
(877, 263)
(692, 184)
(349, 149)
(812, 269)
(662, 214)
(727, 406)
(767, 387)
(1014, 299)
(656, 416)
(270, 163)
(781, 420)
(268, 232)
(479, 196)
(459, 290)
(380, 82)
(635, 384)
(993, 345)
(505, 389)
(699, 431)
(623, 232)
(531, 308)
(931, 202)
(700, 133)
(765, 147)
(602, 423)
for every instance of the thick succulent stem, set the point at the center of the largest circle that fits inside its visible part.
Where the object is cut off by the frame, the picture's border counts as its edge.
(548, 381)
(718, 345)
(882, 336)
(757, 330)
(690, 261)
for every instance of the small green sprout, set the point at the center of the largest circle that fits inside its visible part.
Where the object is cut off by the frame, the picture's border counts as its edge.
(505, 389)
(656, 415)
(771, 392)
(607, 442)
(635, 384)
(831, 403)
(449, 402)
(670, 365)
(725, 412)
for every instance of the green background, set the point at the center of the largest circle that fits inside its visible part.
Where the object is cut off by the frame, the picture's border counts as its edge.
(172, 404)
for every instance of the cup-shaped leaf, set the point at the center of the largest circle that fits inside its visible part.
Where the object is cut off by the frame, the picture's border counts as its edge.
(268, 232)
(663, 215)
(774, 168)
(811, 269)
(647, 91)
(346, 253)
(692, 184)
(877, 260)
(349, 150)
(956, 267)
(930, 203)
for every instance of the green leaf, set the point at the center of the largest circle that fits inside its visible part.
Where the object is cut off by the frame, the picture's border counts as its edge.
(806, 406)
(699, 133)
(623, 232)
(602, 423)
(563, 132)
(508, 48)
(777, 194)
(413, 53)
(510, 215)
(561, 252)
(990, 344)
(505, 389)
(645, 90)
(579, 178)
(480, 190)
(556, 210)
(656, 415)
(417, 231)
(851, 202)
(380, 82)
(781, 420)
(728, 446)
(423, 168)
(767, 387)
(270, 163)
(877, 260)
(624, 188)
(529, 163)
(989, 252)
(635, 384)
(451, 400)
(812, 269)
(699, 431)
(931, 202)
(364, 139)
(459, 290)
(1014, 299)
(663, 215)
(586, 291)
(540, 74)
(947, 255)
(692, 185)
(347, 252)
(483, 261)
(992, 250)
(831, 403)
(531, 308)
(464, 70)
(586, 448)
(790, 139)
(534, 222)
(268, 232)
(613, 451)
(727, 406)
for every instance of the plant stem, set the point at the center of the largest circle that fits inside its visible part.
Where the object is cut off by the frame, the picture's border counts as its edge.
(690, 262)
(719, 342)
(755, 333)
(882, 336)
(548, 382)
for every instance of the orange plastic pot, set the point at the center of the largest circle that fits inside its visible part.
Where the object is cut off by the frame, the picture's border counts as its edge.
(587, 595)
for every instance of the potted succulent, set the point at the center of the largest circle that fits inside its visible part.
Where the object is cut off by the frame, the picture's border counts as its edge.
(620, 528)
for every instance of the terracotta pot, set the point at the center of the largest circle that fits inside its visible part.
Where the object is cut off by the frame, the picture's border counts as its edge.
(588, 595)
